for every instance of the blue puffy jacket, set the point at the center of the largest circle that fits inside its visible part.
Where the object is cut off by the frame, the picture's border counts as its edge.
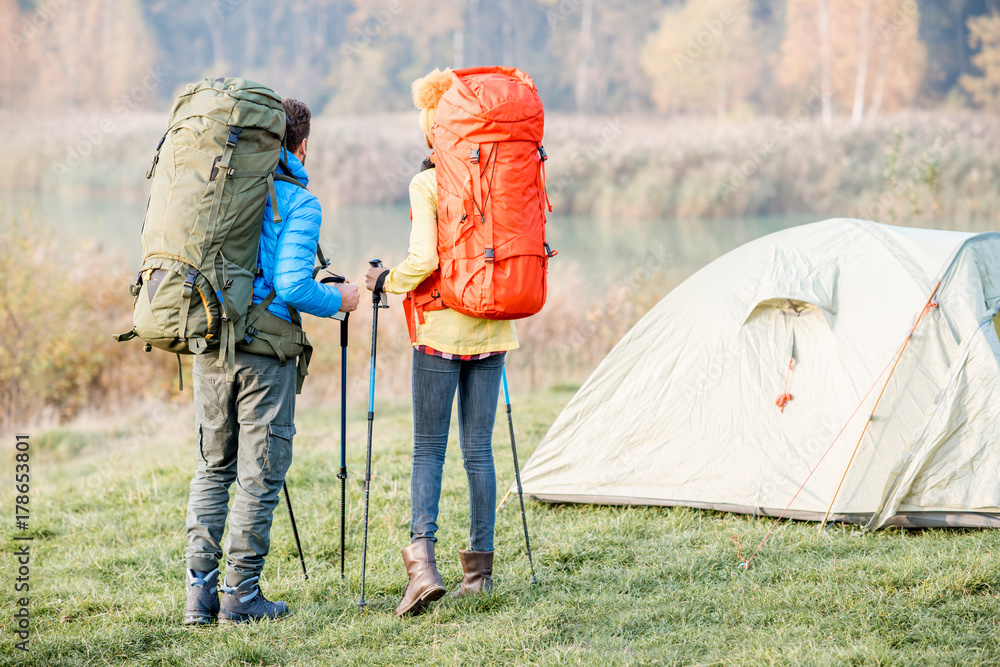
(287, 251)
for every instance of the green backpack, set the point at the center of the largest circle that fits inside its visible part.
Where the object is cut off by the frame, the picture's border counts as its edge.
(211, 175)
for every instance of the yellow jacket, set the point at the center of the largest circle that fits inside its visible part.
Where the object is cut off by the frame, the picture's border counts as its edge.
(444, 330)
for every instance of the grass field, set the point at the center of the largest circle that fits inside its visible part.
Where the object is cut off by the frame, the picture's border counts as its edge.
(616, 585)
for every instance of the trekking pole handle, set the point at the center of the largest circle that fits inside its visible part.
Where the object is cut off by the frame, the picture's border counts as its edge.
(342, 316)
(379, 298)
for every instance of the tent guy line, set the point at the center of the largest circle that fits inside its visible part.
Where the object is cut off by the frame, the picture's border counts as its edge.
(927, 426)
(655, 425)
(927, 306)
(735, 538)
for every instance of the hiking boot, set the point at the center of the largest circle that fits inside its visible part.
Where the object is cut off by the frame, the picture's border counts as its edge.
(247, 603)
(478, 569)
(202, 597)
(425, 585)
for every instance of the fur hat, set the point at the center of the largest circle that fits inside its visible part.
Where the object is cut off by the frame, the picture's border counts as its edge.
(427, 92)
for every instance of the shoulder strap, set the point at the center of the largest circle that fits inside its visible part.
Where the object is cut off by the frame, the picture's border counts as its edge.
(289, 179)
(286, 176)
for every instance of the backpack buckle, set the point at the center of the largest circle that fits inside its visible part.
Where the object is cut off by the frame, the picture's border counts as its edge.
(542, 153)
(189, 283)
(234, 134)
(474, 156)
(489, 255)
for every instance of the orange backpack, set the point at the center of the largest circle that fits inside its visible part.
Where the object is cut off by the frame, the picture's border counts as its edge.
(489, 161)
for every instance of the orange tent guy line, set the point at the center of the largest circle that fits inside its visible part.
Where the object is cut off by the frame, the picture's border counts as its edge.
(893, 361)
(930, 304)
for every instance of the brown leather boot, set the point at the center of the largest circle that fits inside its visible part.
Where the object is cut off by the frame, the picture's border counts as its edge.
(425, 585)
(478, 568)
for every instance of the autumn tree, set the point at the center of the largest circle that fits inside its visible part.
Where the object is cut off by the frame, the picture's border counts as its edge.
(387, 46)
(594, 49)
(703, 57)
(984, 34)
(90, 54)
(865, 56)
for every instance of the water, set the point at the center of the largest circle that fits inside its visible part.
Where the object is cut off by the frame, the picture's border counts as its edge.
(601, 251)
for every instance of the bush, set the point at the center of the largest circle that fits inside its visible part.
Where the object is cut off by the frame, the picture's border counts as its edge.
(60, 306)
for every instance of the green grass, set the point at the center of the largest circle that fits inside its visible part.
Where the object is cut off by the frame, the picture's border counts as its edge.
(616, 585)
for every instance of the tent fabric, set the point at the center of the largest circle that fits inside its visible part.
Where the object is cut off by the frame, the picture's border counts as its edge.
(682, 411)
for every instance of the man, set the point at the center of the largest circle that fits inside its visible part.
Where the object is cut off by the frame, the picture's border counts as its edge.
(245, 428)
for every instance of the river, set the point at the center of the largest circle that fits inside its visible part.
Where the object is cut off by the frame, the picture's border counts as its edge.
(600, 251)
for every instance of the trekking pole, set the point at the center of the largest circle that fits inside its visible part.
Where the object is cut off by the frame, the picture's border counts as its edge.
(378, 301)
(517, 474)
(343, 437)
(295, 532)
(342, 475)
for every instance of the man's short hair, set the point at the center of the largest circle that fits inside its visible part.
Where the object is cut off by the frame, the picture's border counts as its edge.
(298, 118)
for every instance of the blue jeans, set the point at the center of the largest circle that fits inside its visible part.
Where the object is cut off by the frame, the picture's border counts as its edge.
(434, 383)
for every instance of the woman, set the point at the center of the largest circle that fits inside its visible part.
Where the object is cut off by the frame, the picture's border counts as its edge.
(451, 352)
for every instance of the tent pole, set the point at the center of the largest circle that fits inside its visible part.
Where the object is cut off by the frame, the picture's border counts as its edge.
(871, 416)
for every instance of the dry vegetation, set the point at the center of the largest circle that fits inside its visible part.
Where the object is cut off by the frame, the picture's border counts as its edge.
(917, 167)
(61, 306)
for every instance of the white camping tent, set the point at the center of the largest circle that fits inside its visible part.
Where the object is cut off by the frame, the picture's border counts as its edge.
(683, 410)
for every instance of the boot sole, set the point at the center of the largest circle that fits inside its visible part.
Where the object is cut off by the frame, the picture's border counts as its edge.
(421, 603)
(238, 619)
(198, 619)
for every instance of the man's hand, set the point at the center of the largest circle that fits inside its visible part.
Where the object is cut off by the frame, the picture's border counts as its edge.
(371, 277)
(349, 296)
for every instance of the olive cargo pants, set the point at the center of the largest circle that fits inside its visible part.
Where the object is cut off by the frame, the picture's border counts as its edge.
(244, 434)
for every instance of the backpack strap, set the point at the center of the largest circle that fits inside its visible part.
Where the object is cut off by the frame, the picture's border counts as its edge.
(323, 261)
(186, 293)
(480, 205)
(220, 183)
(303, 365)
(275, 213)
(227, 344)
(289, 179)
(287, 175)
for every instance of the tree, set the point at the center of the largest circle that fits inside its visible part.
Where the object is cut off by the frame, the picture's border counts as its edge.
(90, 54)
(860, 37)
(703, 57)
(984, 34)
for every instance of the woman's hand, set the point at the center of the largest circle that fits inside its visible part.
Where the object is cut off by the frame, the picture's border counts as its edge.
(371, 277)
